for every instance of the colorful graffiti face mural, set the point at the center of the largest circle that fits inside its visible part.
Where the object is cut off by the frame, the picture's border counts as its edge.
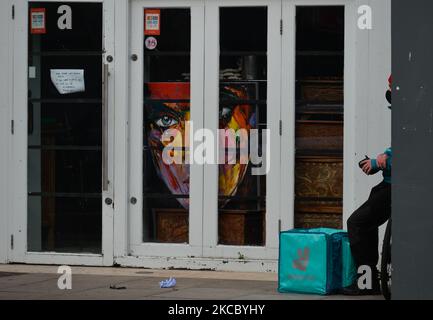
(233, 116)
(167, 108)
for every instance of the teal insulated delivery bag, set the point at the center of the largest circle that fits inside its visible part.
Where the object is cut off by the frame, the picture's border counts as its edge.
(312, 261)
(349, 267)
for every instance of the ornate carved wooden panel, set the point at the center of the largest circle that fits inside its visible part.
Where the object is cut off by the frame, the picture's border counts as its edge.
(319, 192)
(319, 177)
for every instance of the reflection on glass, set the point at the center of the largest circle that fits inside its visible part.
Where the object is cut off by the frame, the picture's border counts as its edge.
(166, 107)
(243, 91)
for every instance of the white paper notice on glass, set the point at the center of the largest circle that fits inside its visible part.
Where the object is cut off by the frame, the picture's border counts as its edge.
(68, 80)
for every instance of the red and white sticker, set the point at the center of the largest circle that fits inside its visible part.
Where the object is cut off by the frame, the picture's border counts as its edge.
(152, 22)
(151, 43)
(37, 21)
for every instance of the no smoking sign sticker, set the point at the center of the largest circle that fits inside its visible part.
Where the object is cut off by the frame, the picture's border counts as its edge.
(151, 43)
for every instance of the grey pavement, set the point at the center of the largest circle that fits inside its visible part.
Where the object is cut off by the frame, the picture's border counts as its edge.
(40, 283)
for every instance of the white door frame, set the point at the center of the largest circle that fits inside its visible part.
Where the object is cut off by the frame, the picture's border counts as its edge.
(288, 115)
(18, 222)
(211, 248)
(137, 247)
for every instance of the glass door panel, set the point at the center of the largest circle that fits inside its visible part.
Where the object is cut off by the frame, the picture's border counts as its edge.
(193, 208)
(242, 90)
(319, 116)
(166, 108)
(65, 129)
(242, 108)
(166, 98)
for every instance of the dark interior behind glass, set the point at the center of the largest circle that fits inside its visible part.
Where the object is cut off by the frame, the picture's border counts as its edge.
(64, 133)
(319, 116)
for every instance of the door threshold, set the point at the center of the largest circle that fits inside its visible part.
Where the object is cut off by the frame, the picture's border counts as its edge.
(70, 259)
(201, 264)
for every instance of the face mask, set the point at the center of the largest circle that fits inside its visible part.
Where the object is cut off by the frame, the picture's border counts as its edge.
(388, 96)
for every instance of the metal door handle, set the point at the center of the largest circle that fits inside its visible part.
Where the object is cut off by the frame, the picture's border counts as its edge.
(105, 127)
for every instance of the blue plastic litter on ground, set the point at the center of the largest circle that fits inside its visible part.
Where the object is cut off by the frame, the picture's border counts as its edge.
(169, 283)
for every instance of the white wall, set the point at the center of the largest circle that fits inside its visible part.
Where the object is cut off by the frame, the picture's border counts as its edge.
(5, 108)
(373, 118)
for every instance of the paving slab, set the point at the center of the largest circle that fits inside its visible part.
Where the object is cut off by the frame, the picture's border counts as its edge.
(79, 283)
(26, 280)
(281, 296)
(105, 294)
(5, 295)
(40, 283)
(342, 297)
(204, 293)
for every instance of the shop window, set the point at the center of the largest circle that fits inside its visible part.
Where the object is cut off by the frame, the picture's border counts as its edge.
(319, 116)
(166, 197)
(242, 106)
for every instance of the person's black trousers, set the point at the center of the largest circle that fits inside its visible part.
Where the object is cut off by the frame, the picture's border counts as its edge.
(363, 225)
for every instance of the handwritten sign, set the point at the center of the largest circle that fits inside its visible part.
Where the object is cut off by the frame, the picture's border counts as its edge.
(68, 80)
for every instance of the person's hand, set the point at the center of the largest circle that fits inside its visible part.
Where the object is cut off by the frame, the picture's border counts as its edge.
(381, 160)
(366, 166)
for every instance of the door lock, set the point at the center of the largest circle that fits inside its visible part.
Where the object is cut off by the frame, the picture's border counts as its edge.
(134, 57)
(133, 200)
(108, 201)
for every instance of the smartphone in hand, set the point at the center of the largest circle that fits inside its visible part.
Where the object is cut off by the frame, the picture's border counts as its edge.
(361, 163)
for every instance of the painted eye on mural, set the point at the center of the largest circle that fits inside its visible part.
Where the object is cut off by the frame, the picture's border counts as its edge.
(166, 122)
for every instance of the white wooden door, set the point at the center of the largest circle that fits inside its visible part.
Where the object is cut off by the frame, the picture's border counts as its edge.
(63, 133)
(242, 92)
(166, 93)
(310, 54)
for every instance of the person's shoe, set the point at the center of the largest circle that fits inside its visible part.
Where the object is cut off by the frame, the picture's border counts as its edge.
(354, 290)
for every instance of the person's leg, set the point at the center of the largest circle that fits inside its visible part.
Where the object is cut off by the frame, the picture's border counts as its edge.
(360, 234)
(364, 223)
(363, 228)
